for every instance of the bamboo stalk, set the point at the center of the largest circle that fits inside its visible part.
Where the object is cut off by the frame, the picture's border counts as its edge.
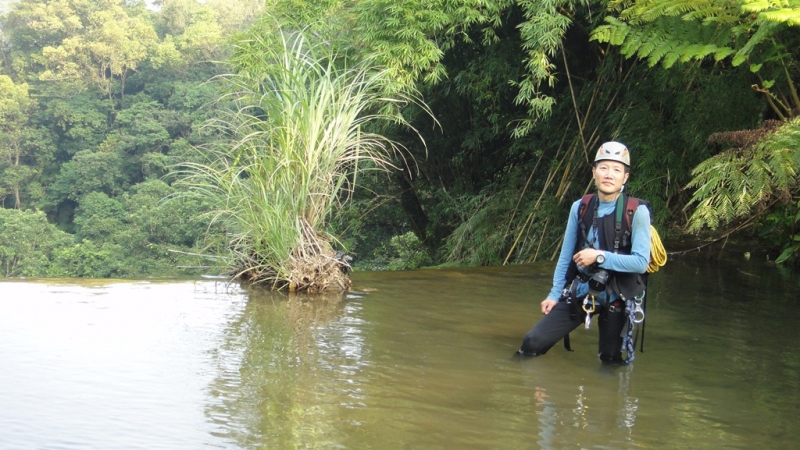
(574, 102)
(541, 238)
(519, 200)
(792, 88)
(519, 235)
(549, 180)
(558, 247)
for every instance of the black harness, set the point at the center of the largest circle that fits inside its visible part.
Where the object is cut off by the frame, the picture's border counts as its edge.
(613, 229)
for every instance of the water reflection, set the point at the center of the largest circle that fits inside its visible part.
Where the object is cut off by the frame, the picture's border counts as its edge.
(286, 366)
(600, 408)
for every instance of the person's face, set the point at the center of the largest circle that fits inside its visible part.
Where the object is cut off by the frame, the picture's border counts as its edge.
(609, 176)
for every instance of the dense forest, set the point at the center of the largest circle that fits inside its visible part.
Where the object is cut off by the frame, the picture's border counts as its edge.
(105, 103)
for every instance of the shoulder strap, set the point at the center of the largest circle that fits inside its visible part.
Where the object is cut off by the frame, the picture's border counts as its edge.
(620, 235)
(630, 210)
(585, 201)
(588, 202)
(631, 204)
(584, 222)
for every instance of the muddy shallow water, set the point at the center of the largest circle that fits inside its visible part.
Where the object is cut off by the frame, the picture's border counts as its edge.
(418, 359)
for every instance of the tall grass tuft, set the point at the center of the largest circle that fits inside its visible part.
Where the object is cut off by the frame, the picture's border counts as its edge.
(302, 128)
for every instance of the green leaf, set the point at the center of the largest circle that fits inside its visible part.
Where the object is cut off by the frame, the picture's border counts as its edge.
(787, 253)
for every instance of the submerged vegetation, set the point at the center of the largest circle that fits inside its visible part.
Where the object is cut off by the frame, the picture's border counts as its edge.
(242, 136)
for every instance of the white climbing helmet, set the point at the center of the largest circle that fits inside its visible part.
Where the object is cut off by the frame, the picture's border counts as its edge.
(613, 151)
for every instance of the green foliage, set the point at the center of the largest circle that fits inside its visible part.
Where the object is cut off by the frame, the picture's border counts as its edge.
(28, 243)
(191, 32)
(731, 185)
(407, 252)
(129, 237)
(90, 172)
(402, 33)
(666, 124)
(476, 241)
(542, 34)
(474, 181)
(87, 260)
(98, 99)
(778, 224)
(132, 235)
(411, 38)
(18, 139)
(100, 43)
(755, 181)
(504, 223)
(367, 222)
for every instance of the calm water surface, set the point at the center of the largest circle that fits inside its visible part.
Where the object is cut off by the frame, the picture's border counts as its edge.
(416, 360)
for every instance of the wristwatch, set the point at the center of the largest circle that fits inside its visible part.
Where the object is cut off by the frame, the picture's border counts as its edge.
(601, 258)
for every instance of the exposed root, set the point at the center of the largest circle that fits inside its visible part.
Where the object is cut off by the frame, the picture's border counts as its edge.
(313, 268)
(326, 271)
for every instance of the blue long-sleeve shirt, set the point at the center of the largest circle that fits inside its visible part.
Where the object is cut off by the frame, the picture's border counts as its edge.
(636, 262)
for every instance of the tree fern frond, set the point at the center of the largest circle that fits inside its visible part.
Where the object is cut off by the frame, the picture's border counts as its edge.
(620, 5)
(790, 16)
(647, 11)
(723, 52)
(757, 6)
(665, 41)
(764, 31)
(718, 28)
(713, 14)
(730, 184)
(614, 32)
(775, 11)
(667, 61)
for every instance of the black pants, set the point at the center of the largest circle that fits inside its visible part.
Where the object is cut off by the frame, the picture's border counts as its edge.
(557, 324)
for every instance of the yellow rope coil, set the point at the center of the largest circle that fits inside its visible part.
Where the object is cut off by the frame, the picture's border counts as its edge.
(658, 255)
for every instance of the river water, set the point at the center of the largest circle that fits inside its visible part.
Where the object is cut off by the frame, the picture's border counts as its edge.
(418, 360)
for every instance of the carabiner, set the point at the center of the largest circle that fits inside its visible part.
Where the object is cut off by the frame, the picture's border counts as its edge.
(638, 313)
(586, 302)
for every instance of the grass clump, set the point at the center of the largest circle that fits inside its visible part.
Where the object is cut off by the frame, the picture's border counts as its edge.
(291, 150)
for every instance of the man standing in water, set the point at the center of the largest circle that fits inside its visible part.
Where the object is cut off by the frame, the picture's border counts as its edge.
(601, 266)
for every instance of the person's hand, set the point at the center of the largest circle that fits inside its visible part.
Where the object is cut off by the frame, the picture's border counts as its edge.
(548, 305)
(586, 257)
